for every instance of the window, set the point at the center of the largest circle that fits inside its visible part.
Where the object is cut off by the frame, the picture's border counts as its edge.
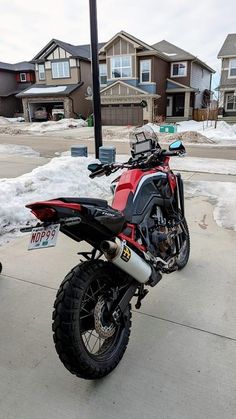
(121, 66)
(23, 77)
(41, 72)
(103, 73)
(232, 68)
(145, 71)
(231, 102)
(60, 69)
(179, 69)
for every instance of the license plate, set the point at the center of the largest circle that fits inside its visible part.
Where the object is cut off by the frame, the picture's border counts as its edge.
(42, 237)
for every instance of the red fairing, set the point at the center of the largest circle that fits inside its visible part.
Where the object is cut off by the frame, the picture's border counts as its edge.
(172, 181)
(128, 183)
(54, 203)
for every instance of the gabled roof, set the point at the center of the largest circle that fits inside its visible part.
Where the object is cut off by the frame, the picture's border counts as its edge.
(228, 48)
(173, 53)
(22, 66)
(78, 51)
(130, 38)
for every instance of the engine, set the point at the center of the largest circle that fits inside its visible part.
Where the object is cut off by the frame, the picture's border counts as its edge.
(162, 235)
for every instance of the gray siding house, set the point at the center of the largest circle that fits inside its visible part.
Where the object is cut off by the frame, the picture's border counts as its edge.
(14, 78)
(227, 88)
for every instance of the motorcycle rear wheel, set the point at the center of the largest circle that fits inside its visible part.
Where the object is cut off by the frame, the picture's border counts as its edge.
(89, 349)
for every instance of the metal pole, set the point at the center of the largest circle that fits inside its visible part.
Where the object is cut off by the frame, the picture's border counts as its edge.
(95, 76)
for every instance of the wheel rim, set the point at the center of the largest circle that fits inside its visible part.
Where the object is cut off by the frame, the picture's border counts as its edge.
(94, 343)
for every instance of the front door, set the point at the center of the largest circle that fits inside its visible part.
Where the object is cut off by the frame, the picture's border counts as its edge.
(169, 106)
(178, 107)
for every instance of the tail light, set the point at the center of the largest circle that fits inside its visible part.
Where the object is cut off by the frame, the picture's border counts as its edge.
(44, 214)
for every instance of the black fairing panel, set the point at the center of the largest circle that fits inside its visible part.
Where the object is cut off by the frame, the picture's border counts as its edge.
(154, 190)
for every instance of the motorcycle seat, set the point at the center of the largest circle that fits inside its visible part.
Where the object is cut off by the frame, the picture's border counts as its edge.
(86, 201)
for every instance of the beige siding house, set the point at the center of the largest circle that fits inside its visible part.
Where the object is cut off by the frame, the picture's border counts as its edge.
(140, 82)
(63, 76)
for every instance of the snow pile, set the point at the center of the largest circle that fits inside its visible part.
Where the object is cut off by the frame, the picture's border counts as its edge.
(63, 176)
(224, 195)
(223, 131)
(63, 124)
(17, 149)
(196, 132)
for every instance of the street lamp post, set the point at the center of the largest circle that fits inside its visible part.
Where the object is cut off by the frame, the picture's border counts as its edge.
(95, 76)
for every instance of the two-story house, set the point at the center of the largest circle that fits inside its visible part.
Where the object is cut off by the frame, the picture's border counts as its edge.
(63, 79)
(140, 82)
(227, 88)
(13, 79)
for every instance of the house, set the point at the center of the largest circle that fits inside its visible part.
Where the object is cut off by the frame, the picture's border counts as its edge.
(141, 82)
(13, 79)
(63, 80)
(227, 88)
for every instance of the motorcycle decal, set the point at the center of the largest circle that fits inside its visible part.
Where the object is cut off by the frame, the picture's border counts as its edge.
(126, 254)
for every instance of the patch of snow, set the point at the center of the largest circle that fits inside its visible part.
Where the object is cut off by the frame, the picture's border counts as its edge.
(4, 121)
(35, 90)
(204, 165)
(224, 194)
(62, 124)
(17, 149)
(18, 119)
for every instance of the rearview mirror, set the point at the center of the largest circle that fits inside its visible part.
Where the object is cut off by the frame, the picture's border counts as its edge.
(176, 145)
(93, 167)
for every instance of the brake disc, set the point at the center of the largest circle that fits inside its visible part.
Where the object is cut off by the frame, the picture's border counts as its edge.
(104, 329)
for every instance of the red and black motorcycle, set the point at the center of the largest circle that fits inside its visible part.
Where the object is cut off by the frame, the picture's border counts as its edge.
(142, 235)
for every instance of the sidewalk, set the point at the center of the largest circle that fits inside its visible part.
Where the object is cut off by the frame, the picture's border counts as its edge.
(181, 359)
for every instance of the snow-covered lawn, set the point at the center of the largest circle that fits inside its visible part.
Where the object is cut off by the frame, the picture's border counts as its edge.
(68, 176)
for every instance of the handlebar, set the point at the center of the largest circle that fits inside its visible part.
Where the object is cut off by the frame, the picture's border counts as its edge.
(157, 155)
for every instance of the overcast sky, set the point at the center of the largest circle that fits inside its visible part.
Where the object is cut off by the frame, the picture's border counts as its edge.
(198, 26)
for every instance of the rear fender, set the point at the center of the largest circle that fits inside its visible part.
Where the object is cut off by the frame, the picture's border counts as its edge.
(75, 219)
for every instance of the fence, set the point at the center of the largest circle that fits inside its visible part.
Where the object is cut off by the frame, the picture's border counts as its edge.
(205, 114)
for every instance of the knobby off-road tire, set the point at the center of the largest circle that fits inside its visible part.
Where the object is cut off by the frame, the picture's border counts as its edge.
(184, 254)
(73, 318)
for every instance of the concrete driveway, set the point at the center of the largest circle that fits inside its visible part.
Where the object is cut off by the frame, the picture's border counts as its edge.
(181, 359)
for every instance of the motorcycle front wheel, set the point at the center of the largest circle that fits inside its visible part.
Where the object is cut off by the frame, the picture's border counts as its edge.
(89, 343)
(185, 250)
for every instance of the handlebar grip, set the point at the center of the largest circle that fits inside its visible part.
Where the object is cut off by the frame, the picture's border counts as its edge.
(98, 172)
(169, 153)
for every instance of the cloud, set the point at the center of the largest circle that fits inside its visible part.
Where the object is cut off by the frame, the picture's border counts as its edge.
(199, 27)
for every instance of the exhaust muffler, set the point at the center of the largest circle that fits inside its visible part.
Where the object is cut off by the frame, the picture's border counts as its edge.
(127, 260)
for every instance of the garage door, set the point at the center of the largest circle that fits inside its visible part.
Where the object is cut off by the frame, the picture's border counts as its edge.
(130, 114)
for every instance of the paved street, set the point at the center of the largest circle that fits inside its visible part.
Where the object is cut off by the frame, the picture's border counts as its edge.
(180, 362)
(181, 359)
(60, 141)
